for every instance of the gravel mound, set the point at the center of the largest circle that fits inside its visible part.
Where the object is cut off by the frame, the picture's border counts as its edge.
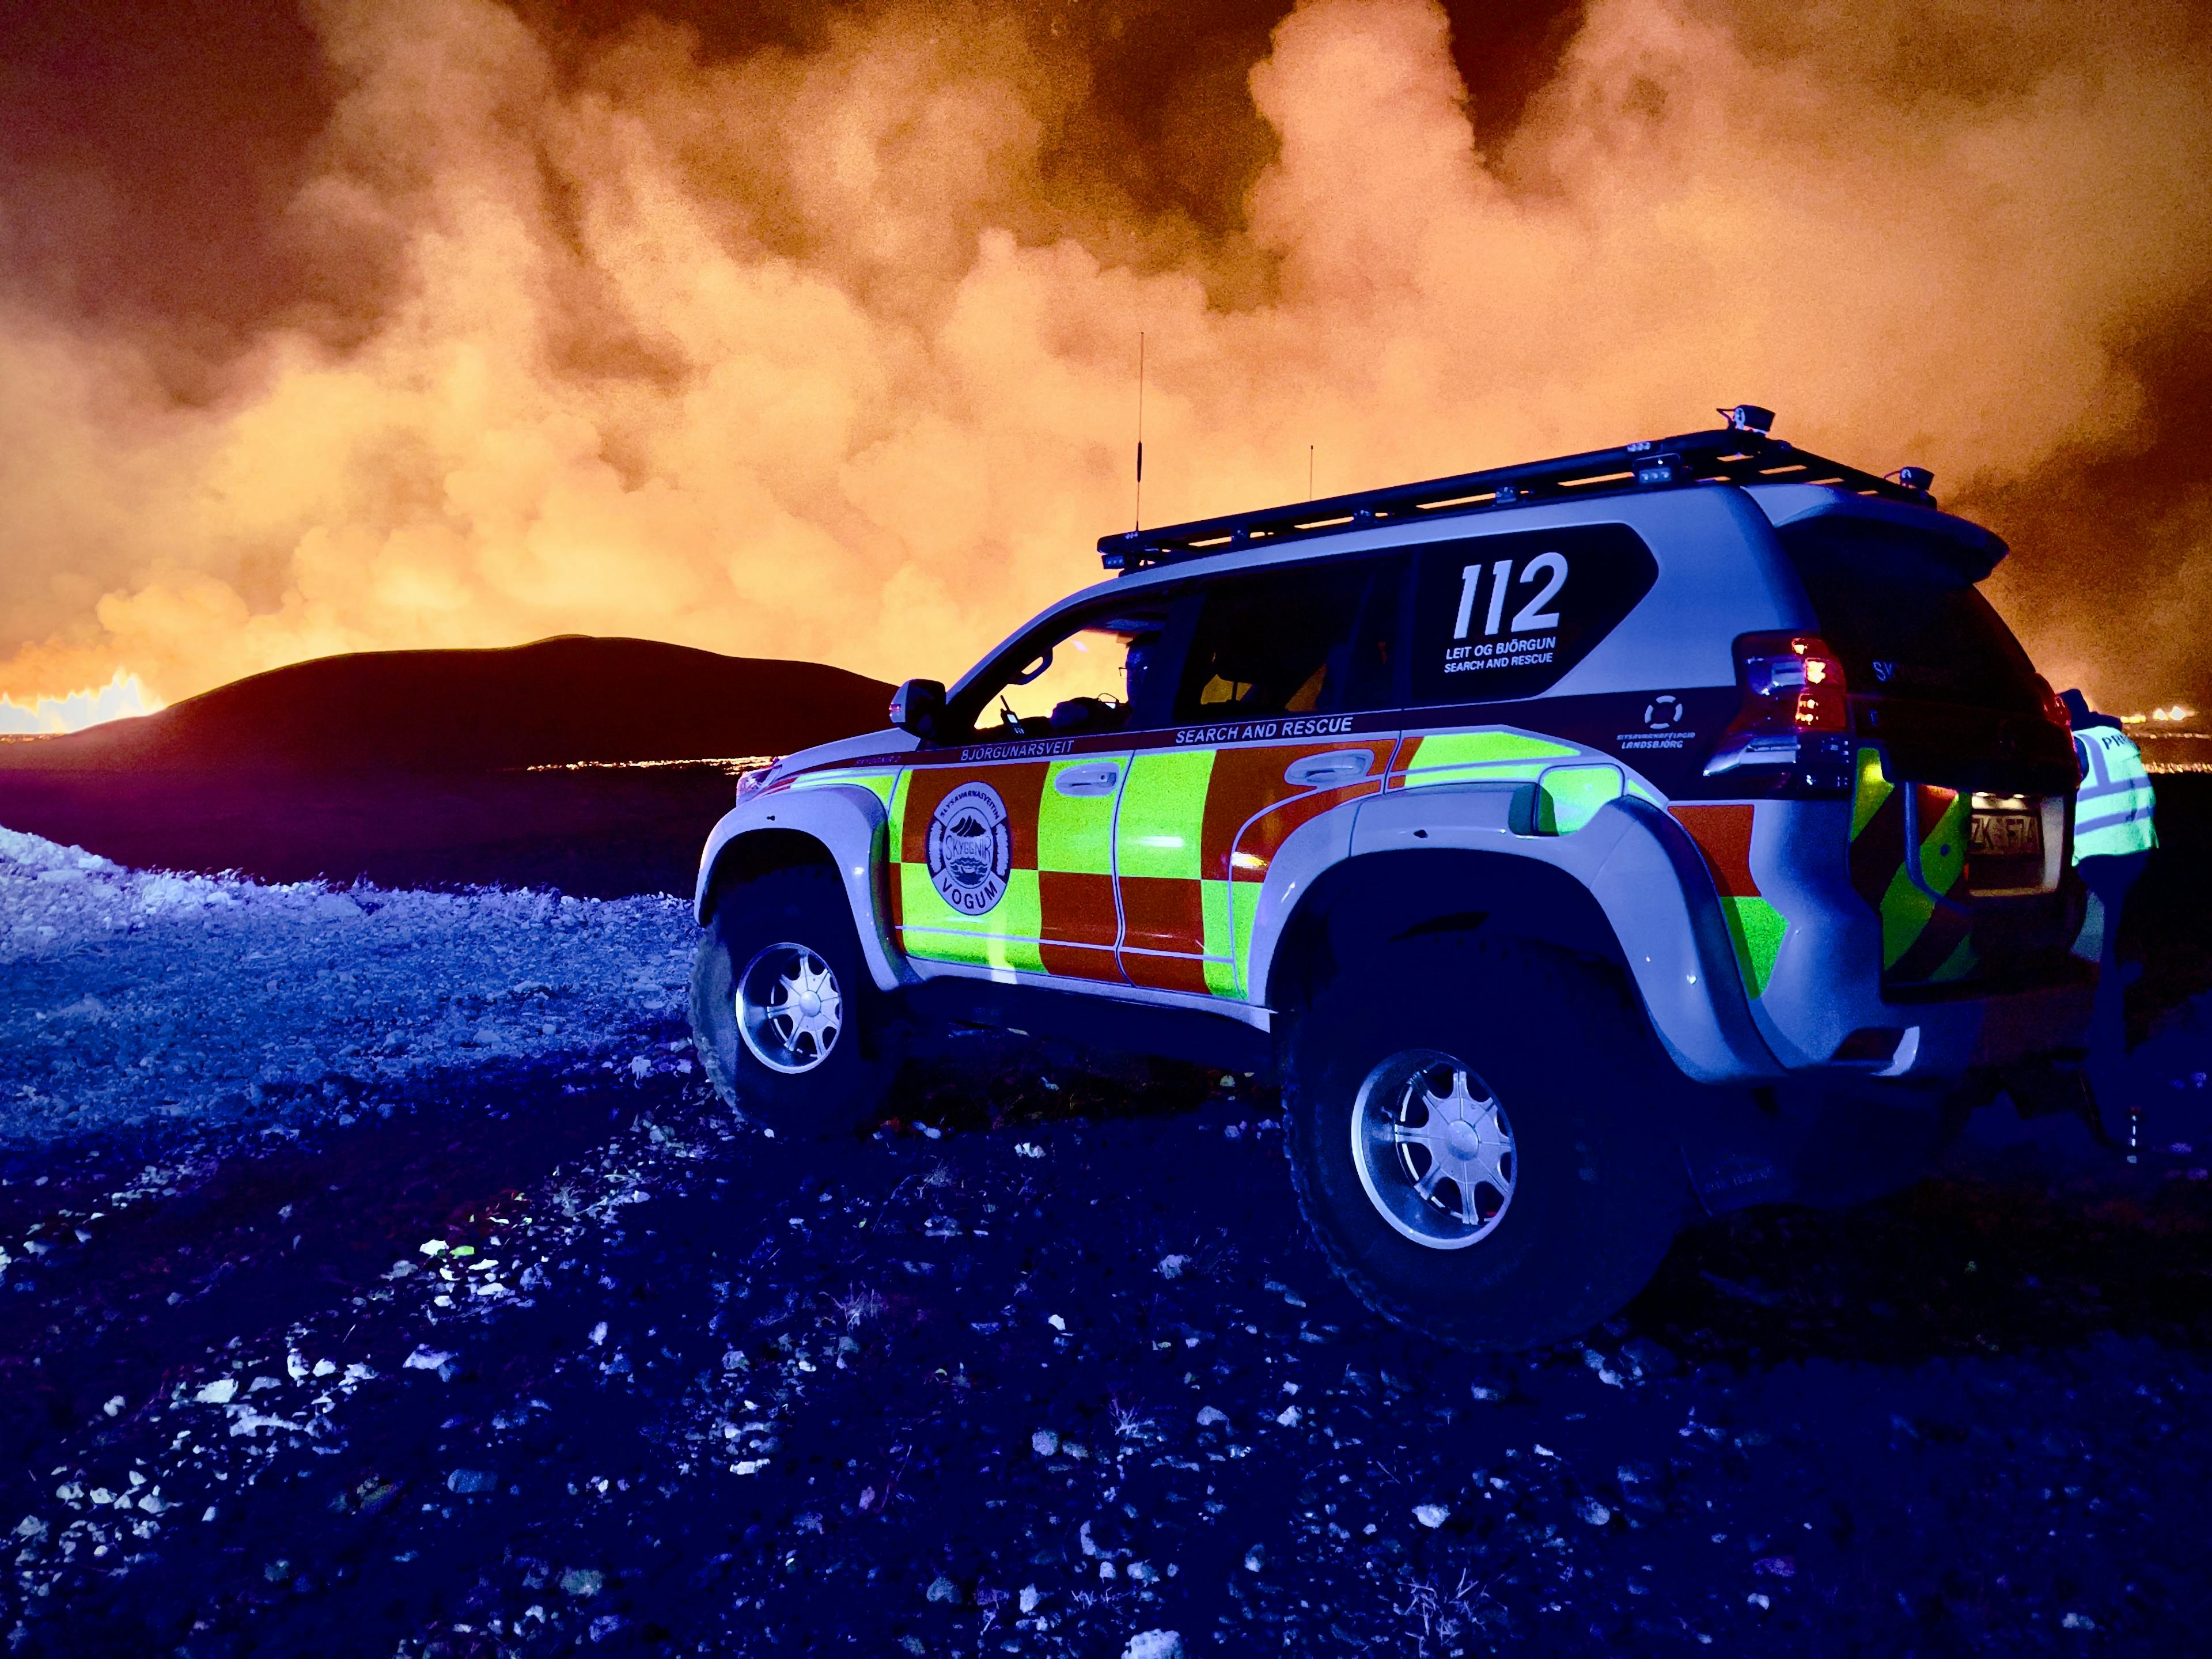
(138, 995)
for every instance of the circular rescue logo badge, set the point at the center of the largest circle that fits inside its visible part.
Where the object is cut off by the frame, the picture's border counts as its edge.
(970, 849)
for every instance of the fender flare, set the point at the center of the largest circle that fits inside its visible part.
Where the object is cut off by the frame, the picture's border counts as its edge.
(845, 826)
(1644, 879)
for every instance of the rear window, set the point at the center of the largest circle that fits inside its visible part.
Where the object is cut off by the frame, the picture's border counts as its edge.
(1906, 622)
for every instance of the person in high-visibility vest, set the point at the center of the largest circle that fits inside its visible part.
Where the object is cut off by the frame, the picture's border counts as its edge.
(2114, 837)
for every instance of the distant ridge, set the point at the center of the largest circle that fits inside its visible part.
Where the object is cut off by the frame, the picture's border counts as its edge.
(568, 699)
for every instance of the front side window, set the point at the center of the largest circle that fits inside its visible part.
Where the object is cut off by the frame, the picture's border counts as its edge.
(1296, 640)
(1082, 681)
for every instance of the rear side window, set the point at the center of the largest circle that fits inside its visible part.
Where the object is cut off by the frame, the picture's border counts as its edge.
(1905, 621)
(1500, 616)
(1295, 640)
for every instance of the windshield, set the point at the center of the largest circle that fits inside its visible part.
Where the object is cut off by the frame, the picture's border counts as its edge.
(1904, 619)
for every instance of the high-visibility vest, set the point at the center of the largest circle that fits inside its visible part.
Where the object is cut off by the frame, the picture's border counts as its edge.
(2112, 812)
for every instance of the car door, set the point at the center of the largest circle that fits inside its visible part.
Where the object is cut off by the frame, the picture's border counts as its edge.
(1001, 840)
(1283, 708)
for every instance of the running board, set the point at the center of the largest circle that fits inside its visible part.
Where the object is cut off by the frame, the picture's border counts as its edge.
(1095, 1021)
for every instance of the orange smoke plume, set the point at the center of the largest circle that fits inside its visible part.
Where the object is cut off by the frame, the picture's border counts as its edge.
(829, 351)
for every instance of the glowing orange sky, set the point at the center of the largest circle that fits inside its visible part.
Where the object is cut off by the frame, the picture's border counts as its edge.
(823, 346)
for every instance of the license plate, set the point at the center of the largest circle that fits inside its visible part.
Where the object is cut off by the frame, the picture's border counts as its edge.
(2006, 835)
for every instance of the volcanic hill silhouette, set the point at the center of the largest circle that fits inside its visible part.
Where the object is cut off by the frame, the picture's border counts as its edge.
(573, 698)
(408, 768)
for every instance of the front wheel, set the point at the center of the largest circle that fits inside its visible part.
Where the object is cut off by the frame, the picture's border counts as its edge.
(780, 999)
(1478, 1139)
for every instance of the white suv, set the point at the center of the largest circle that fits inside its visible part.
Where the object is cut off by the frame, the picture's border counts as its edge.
(1561, 836)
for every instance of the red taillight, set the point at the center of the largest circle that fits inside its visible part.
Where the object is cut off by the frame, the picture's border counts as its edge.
(1793, 727)
(1791, 682)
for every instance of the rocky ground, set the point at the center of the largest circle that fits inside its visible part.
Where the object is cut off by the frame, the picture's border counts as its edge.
(526, 1345)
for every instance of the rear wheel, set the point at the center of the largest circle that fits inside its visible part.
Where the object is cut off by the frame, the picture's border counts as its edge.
(781, 1005)
(1478, 1138)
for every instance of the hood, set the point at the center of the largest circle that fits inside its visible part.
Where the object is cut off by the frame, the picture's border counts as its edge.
(888, 741)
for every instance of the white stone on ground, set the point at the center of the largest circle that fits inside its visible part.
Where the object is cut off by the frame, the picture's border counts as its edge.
(138, 993)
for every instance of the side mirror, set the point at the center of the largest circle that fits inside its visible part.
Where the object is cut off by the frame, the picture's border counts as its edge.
(918, 706)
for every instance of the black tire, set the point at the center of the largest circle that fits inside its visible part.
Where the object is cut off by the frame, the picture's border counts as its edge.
(1597, 1190)
(840, 1090)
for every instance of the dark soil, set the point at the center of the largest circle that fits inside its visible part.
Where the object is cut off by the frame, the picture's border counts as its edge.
(742, 1396)
(2166, 934)
(1065, 1371)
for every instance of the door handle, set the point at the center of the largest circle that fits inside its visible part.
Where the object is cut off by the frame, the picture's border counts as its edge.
(1338, 766)
(1087, 780)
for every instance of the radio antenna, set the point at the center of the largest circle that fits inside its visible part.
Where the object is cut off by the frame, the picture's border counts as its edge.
(1310, 471)
(1138, 523)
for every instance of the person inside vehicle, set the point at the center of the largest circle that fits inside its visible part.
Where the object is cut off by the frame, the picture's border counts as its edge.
(1076, 715)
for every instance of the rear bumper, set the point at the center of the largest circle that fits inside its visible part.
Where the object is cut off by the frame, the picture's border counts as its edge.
(1827, 991)
(1936, 1041)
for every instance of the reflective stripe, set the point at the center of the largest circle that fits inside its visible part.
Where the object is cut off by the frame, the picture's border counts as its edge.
(1476, 758)
(1198, 832)
(1724, 833)
(1233, 922)
(1511, 772)
(1162, 810)
(2120, 807)
(1075, 833)
(1163, 875)
(1872, 791)
(1568, 797)
(1157, 866)
(1757, 927)
(1005, 935)
(1467, 748)
(1922, 942)
(1906, 910)
(878, 784)
(2112, 812)
(1257, 798)
(1943, 843)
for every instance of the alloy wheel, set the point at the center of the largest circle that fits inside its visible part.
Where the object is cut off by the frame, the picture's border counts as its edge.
(1434, 1149)
(790, 1010)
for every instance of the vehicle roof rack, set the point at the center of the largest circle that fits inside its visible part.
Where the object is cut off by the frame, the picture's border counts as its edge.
(1741, 453)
